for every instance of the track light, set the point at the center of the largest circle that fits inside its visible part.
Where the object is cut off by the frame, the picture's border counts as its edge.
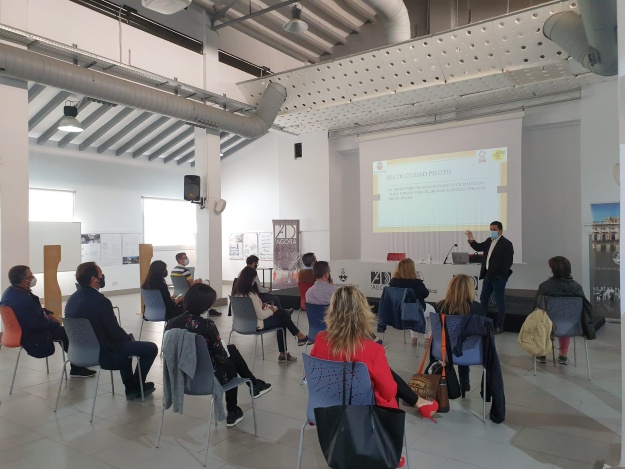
(296, 24)
(69, 123)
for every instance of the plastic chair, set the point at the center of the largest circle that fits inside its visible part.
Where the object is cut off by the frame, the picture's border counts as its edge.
(316, 324)
(12, 338)
(155, 309)
(390, 299)
(84, 350)
(180, 284)
(325, 389)
(244, 322)
(202, 385)
(472, 349)
(566, 315)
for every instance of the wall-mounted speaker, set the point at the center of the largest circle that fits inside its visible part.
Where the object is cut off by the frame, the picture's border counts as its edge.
(192, 188)
(298, 151)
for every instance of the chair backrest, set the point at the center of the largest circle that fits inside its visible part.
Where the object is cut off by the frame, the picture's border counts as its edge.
(244, 319)
(155, 308)
(395, 256)
(84, 348)
(316, 315)
(472, 350)
(325, 384)
(566, 315)
(12, 335)
(180, 284)
(202, 382)
(303, 288)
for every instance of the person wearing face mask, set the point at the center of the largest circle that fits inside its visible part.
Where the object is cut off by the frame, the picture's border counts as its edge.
(181, 269)
(155, 280)
(321, 292)
(40, 327)
(495, 271)
(116, 346)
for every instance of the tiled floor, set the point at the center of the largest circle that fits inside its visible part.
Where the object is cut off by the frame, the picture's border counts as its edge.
(557, 419)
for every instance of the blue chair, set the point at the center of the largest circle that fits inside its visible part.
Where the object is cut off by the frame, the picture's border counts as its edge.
(392, 304)
(155, 309)
(472, 350)
(84, 350)
(566, 315)
(202, 385)
(244, 322)
(316, 324)
(325, 389)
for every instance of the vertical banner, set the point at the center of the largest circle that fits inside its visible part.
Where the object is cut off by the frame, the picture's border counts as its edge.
(605, 258)
(285, 253)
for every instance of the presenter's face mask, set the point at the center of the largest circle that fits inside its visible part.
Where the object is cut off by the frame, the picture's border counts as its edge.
(494, 234)
(185, 262)
(102, 281)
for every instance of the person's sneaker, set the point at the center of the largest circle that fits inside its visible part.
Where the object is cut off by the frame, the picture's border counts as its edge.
(234, 417)
(261, 388)
(288, 358)
(305, 341)
(135, 392)
(498, 330)
(562, 360)
(81, 372)
(214, 313)
(541, 359)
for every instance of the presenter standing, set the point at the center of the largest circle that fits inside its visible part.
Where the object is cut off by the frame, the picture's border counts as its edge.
(495, 271)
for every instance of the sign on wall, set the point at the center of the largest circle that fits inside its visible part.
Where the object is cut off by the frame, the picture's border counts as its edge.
(242, 245)
(110, 248)
(285, 252)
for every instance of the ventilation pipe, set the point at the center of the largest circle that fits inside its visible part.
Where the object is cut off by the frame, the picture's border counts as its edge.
(590, 38)
(395, 18)
(24, 65)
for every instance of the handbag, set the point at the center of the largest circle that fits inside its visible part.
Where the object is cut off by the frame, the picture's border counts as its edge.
(362, 436)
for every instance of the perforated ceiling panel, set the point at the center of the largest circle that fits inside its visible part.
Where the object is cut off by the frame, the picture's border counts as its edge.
(506, 59)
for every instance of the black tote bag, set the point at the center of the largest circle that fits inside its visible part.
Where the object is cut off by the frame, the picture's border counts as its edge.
(360, 436)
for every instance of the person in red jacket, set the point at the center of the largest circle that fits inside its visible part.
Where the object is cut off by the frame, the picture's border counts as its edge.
(348, 338)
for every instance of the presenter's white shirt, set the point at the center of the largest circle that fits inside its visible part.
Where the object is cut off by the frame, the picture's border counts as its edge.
(492, 246)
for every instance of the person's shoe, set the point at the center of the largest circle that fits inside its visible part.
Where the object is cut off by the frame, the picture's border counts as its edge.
(135, 392)
(541, 359)
(415, 341)
(213, 313)
(261, 388)
(289, 311)
(81, 372)
(562, 360)
(304, 341)
(287, 358)
(428, 410)
(234, 417)
(464, 389)
(498, 330)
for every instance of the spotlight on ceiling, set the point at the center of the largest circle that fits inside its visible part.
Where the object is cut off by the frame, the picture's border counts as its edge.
(69, 123)
(296, 24)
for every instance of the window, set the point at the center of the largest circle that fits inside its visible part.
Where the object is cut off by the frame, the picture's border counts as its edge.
(50, 205)
(169, 222)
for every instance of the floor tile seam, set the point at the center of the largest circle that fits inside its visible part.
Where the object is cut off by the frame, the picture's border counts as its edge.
(569, 435)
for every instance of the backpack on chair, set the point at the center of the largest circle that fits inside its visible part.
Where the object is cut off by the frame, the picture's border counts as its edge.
(535, 336)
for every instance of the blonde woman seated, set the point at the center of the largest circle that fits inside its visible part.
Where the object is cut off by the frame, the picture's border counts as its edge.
(348, 338)
(460, 301)
(405, 276)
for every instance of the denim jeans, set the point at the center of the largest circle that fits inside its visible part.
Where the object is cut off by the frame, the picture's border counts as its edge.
(498, 287)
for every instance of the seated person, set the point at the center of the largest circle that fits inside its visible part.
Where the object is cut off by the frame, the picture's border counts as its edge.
(181, 269)
(321, 292)
(460, 300)
(405, 276)
(562, 284)
(116, 346)
(155, 280)
(348, 338)
(40, 327)
(262, 292)
(306, 274)
(227, 364)
(268, 316)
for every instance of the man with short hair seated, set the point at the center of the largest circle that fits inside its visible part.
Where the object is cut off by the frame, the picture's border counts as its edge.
(263, 292)
(40, 327)
(321, 292)
(181, 271)
(116, 346)
(306, 275)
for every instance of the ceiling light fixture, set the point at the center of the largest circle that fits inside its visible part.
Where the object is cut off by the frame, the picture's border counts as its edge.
(69, 123)
(296, 24)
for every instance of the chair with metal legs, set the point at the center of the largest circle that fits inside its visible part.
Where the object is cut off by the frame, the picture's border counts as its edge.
(155, 309)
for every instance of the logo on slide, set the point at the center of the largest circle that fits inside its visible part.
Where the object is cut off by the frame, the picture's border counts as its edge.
(342, 275)
(420, 275)
(380, 165)
(498, 155)
(380, 279)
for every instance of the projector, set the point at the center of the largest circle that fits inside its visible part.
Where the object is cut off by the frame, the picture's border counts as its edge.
(166, 7)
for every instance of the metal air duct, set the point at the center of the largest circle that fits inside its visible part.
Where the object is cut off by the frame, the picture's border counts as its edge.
(24, 65)
(590, 38)
(395, 18)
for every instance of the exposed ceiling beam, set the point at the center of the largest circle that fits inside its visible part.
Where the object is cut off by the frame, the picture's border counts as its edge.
(237, 147)
(34, 91)
(47, 109)
(116, 119)
(337, 12)
(141, 135)
(223, 134)
(125, 131)
(231, 141)
(186, 157)
(254, 14)
(172, 143)
(86, 123)
(174, 154)
(362, 8)
(161, 135)
(54, 128)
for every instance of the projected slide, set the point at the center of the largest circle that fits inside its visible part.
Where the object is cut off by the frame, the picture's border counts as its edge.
(448, 192)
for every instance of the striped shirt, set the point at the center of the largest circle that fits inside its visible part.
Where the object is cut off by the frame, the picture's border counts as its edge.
(181, 271)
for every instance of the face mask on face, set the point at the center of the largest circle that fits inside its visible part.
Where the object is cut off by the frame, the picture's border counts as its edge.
(102, 281)
(494, 234)
(33, 282)
(185, 262)
(165, 274)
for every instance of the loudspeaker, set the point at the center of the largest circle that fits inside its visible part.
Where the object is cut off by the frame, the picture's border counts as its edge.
(298, 150)
(192, 188)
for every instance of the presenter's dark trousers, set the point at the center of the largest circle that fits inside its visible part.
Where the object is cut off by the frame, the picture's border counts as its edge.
(496, 287)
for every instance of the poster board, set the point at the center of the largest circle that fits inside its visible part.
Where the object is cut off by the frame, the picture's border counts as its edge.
(110, 248)
(242, 245)
(65, 234)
